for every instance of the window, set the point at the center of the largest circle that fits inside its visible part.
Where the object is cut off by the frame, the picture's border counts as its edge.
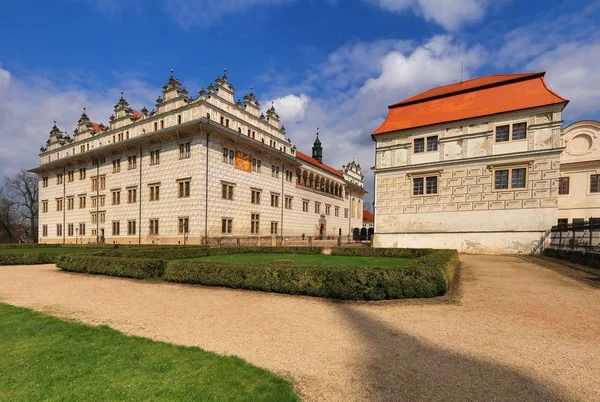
(425, 185)
(563, 185)
(337, 211)
(59, 229)
(162, 124)
(502, 133)
(116, 228)
(273, 228)
(255, 198)
(82, 174)
(154, 192)
(131, 227)
(95, 202)
(256, 165)
(563, 222)
(155, 126)
(419, 145)
(120, 137)
(70, 176)
(185, 150)
(116, 197)
(102, 217)
(288, 202)
(345, 212)
(59, 178)
(274, 171)
(131, 195)
(431, 185)
(132, 162)
(153, 226)
(183, 227)
(595, 183)
(519, 131)
(178, 119)
(45, 230)
(82, 201)
(126, 135)
(418, 186)
(102, 182)
(70, 203)
(45, 181)
(94, 184)
(515, 177)
(228, 156)
(289, 175)
(226, 225)
(305, 205)
(227, 191)
(327, 209)
(82, 229)
(274, 200)
(116, 165)
(255, 223)
(432, 143)
(154, 157)
(45, 206)
(184, 188)
(317, 207)
(70, 230)
(94, 217)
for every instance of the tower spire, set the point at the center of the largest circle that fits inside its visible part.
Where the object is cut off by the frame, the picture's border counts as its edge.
(317, 149)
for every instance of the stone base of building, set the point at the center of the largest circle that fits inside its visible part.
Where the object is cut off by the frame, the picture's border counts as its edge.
(464, 242)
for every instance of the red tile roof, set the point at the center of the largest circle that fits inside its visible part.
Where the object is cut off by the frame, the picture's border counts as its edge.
(468, 99)
(367, 216)
(318, 164)
(135, 114)
(96, 127)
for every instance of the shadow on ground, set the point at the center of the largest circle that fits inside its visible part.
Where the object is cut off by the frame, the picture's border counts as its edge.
(399, 367)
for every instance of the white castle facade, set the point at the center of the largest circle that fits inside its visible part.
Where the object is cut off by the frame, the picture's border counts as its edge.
(196, 168)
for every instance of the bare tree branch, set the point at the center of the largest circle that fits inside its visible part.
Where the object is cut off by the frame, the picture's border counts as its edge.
(23, 192)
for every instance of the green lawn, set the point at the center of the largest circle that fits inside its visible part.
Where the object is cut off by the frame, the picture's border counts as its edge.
(308, 259)
(46, 359)
(44, 250)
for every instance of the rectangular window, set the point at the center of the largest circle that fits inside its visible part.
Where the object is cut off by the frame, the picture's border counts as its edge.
(518, 178)
(154, 157)
(153, 226)
(501, 179)
(274, 200)
(59, 178)
(116, 197)
(45, 206)
(132, 162)
(274, 171)
(59, 204)
(82, 174)
(184, 226)
(255, 198)
(519, 131)
(431, 185)
(515, 177)
(102, 182)
(228, 156)
(82, 229)
(432, 143)
(131, 227)
(418, 186)
(185, 150)
(337, 211)
(45, 181)
(183, 188)
(255, 223)
(563, 185)
(256, 163)
(327, 209)
(226, 225)
(273, 228)
(94, 184)
(116, 228)
(419, 145)
(94, 217)
(70, 230)
(305, 205)
(45, 230)
(59, 229)
(227, 191)
(82, 201)
(345, 212)
(116, 165)
(288, 202)
(102, 217)
(162, 124)
(131, 195)
(595, 183)
(502, 133)
(317, 207)
(70, 203)
(155, 126)
(102, 201)
(178, 119)
(289, 175)
(70, 176)
(154, 192)
(563, 222)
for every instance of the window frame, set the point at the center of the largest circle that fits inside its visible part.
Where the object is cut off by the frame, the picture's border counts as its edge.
(227, 190)
(597, 178)
(510, 169)
(561, 181)
(511, 127)
(226, 226)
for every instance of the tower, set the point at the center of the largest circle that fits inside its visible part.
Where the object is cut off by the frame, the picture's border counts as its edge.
(317, 149)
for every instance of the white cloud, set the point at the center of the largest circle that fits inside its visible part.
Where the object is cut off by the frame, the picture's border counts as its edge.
(291, 108)
(450, 14)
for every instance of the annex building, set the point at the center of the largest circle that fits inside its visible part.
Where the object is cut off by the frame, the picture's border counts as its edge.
(194, 168)
(482, 166)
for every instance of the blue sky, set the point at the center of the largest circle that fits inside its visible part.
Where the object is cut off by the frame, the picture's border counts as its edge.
(333, 64)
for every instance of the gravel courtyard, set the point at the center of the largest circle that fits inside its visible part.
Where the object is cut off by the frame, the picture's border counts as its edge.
(521, 332)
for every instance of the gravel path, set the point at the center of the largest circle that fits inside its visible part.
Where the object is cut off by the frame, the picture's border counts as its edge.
(521, 332)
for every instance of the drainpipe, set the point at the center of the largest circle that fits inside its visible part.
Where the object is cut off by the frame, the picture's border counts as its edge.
(64, 206)
(140, 201)
(283, 198)
(206, 193)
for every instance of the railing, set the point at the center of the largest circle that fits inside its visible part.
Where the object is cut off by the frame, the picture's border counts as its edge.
(583, 236)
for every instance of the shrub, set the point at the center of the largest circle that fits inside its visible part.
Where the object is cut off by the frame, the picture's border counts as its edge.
(168, 252)
(265, 250)
(381, 252)
(428, 276)
(27, 245)
(139, 268)
(27, 258)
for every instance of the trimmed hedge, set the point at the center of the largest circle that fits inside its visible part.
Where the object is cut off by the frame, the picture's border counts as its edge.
(139, 268)
(428, 276)
(381, 252)
(28, 258)
(578, 257)
(166, 253)
(27, 245)
(265, 250)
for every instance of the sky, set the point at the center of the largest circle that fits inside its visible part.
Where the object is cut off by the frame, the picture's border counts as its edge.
(331, 64)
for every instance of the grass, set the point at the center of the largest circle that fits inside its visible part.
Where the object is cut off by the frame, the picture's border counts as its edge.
(306, 259)
(44, 358)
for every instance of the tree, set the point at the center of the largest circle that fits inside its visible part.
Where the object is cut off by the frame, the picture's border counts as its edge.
(7, 218)
(23, 192)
